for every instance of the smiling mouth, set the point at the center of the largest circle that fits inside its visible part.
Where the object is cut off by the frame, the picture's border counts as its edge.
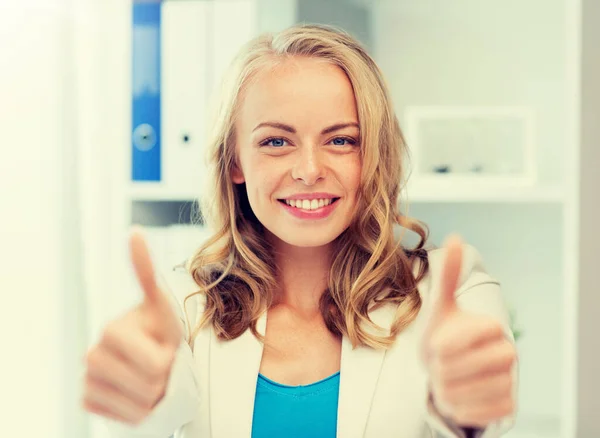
(308, 204)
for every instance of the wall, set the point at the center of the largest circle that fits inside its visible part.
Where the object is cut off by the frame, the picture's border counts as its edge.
(589, 237)
(355, 18)
(40, 333)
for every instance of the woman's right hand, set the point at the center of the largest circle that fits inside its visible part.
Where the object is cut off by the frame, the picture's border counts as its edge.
(127, 371)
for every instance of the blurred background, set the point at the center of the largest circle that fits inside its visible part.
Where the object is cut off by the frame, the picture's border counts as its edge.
(103, 108)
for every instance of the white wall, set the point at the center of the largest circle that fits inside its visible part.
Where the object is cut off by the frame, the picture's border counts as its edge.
(473, 52)
(33, 122)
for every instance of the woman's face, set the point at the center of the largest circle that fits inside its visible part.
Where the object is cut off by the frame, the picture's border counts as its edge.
(298, 151)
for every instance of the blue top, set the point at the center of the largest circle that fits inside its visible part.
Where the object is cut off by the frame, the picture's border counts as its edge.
(296, 411)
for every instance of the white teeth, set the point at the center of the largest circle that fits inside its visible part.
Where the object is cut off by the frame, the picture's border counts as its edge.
(306, 204)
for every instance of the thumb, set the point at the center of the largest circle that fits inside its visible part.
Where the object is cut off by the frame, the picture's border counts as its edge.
(165, 324)
(446, 302)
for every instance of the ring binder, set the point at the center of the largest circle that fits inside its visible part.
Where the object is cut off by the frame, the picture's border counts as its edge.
(146, 96)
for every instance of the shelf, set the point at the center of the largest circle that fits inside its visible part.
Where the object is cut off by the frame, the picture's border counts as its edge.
(474, 193)
(159, 192)
(418, 193)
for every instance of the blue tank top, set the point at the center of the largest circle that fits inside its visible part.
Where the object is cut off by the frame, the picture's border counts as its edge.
(296, 411)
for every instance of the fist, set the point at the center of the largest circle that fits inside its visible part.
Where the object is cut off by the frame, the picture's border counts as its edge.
(468, 358)
(128, 369)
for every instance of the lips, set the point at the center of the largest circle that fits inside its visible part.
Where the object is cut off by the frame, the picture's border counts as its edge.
(310, 213)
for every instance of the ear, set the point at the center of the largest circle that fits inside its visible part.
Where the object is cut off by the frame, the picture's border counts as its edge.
(237, 175)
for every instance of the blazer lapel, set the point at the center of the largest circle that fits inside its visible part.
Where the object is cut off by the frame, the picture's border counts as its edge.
(234, 367)
(359, 373)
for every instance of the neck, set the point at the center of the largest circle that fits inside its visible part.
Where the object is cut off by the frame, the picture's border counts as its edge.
(303, 273)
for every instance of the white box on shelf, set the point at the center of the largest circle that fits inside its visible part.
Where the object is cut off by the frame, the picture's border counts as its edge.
(453, 147)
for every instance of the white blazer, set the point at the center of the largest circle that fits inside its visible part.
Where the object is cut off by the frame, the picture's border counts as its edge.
(383, 394)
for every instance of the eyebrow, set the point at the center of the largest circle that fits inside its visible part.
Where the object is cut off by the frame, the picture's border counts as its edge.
(291, 129)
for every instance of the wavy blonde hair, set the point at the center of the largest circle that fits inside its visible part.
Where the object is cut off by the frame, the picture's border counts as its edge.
(235, 269)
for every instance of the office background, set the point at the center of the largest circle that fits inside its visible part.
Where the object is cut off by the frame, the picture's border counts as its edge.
(512, 83)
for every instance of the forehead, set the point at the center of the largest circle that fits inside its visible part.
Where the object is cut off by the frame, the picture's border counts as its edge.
(300, 91)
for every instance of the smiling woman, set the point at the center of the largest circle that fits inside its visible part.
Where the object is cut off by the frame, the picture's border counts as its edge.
(312, 120)
(304, 314)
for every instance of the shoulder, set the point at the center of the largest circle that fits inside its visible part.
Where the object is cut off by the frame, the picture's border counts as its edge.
(477, 290)
(473, 269)
(475, 284)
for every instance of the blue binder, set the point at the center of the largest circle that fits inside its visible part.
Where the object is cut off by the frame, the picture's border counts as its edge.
(145, 141)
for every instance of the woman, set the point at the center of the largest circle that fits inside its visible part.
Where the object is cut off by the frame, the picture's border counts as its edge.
(304, 315)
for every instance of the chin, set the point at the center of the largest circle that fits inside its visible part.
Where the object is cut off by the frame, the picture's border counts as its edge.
(306, 238)
(305, 233)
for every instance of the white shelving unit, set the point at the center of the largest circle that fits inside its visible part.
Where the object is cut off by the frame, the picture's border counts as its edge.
(444, 54)
(445, 62)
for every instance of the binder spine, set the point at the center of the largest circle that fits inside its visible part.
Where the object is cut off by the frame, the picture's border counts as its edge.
(146, 92)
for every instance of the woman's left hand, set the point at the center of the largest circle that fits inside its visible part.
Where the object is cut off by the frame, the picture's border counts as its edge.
(468, 357)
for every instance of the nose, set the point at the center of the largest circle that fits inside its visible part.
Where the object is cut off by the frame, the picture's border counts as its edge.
(309, 167)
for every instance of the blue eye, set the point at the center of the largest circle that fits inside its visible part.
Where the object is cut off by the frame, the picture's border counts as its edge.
(342, 141)
(276, 142)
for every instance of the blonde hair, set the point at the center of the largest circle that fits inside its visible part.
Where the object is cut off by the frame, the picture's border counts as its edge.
(235, 269)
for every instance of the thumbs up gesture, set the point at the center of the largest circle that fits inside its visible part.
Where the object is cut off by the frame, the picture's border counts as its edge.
(467, 356)
(128, 370)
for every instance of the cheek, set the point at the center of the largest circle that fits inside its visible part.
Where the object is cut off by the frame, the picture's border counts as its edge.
(352, 175)
(263, 176)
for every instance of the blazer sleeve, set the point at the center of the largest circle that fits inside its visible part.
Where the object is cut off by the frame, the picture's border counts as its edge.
(478, 293)
(181, 400)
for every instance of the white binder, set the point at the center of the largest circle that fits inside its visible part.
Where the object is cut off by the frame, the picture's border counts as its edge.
(186, 72)
(199, 40)
(234, 22)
